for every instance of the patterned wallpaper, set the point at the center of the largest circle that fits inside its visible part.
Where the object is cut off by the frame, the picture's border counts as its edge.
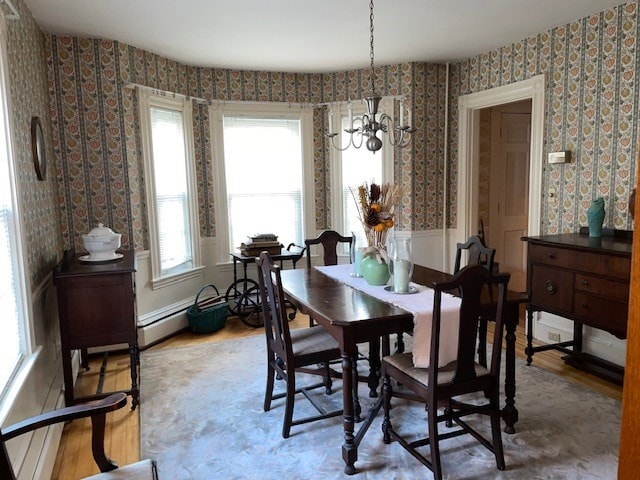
(27, 80)
(591, 68)
(97, 140)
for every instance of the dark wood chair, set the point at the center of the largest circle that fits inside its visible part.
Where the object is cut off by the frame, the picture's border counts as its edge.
(145, 469)
(478, 254)
(329, 239)
(438, 387)
(289, 351)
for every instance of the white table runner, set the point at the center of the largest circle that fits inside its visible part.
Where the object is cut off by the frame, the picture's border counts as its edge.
(421, 306)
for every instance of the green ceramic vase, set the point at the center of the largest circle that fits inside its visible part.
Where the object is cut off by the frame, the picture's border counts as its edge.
(373, 272)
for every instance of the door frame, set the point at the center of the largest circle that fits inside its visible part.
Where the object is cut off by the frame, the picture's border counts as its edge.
(469, 107)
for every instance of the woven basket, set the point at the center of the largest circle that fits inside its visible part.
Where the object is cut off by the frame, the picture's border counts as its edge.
(209, 315)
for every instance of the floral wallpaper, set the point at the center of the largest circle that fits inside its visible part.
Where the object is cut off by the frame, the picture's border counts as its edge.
(97, 140)
(591, 67)
(27, 80)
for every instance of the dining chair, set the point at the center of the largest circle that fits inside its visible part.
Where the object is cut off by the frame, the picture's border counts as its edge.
(329, 239)
(438, 386)
(142, 470)
(478, 254)
(292, 351)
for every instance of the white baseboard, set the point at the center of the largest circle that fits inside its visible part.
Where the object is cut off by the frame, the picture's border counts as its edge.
(154, 332)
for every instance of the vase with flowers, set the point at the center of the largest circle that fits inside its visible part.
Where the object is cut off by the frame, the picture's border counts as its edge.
(375, 204)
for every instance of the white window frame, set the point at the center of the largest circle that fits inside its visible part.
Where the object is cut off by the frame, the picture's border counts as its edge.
(335, 157)
(9, 392)
(257, 110)
(146, 100)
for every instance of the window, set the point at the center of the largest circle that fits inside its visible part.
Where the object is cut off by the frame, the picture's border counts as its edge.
(167, 133)
(262, 171)
(12, 322)
(352, 168)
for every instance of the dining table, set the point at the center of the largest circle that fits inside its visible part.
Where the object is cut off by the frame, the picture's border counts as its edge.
(352, 316)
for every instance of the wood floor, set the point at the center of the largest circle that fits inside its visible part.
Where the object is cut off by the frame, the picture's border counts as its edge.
(74, 460)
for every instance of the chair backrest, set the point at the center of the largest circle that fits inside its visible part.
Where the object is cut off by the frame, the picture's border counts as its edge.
(477, 254)
(469, 284)
(274, 309)
(329, 240)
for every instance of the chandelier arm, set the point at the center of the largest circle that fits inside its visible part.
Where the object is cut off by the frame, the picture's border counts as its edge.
(333, 143)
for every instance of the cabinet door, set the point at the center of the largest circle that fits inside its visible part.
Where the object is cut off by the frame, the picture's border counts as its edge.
(552, 288)
(99, 310)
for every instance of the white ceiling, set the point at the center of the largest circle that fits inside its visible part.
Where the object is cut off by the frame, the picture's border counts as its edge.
(310, 36)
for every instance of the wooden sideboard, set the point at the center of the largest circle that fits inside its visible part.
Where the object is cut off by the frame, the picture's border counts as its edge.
(583, 279)
(96, 306)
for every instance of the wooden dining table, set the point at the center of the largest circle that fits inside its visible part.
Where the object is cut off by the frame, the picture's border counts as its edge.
(352, 316)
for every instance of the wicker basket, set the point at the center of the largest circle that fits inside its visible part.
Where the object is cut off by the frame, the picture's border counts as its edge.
(209, 315)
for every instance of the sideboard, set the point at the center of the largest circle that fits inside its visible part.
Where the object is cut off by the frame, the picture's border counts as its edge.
(584, 279)
(96, 308)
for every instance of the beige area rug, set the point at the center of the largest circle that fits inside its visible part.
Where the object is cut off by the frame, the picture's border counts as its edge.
(202, 418)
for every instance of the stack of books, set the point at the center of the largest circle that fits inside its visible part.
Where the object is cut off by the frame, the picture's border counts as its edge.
(259, 243)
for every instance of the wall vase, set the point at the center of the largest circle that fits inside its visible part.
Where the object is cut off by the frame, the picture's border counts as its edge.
(373, 272)
(595, 217)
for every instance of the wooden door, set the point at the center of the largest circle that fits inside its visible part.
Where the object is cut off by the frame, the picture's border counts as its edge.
(509, 197)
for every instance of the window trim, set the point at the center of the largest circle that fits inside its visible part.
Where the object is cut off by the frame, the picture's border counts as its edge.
(257, 110)
(146, 100)
(28, 349)
(335, 158)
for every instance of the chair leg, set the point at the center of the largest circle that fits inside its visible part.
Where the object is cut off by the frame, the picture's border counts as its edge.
(434, 446)
(482, 342)
(328, 383)
(386, 407)
(268, 394)
(288, 408)
(496, 434)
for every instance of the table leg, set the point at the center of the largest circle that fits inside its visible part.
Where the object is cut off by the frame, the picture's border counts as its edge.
(374, 367)
(134, 355)
(510, 412)
(529, 348)
(349, 448)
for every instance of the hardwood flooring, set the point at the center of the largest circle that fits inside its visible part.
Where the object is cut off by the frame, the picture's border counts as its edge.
(74, 459)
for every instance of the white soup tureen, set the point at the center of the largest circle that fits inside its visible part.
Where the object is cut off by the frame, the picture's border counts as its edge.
(102, 243)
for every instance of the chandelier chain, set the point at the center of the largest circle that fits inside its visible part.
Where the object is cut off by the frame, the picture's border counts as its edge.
(373, 83)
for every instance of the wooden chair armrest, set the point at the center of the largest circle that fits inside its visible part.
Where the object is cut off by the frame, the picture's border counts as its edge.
(96, 410)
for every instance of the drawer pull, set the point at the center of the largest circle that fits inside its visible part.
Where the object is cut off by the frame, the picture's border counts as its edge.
(550, 287)
(585, 283)
(551, 255)
(583, 305)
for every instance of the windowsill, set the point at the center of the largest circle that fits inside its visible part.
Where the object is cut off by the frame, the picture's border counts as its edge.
(17, 383)
(162, 282)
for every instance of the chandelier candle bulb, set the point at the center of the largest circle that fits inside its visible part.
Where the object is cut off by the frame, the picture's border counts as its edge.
(350, 116)
(330, 122)
(410, 118)
(401, 113)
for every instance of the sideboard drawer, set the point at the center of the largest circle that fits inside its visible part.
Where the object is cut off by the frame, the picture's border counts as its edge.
(552, 288)
(588, 262)
(603, 313)
(603, 287)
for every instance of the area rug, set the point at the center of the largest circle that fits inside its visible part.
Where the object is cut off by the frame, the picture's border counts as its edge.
(202, 418)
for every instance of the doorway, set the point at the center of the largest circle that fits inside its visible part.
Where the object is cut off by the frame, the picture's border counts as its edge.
(470, 109)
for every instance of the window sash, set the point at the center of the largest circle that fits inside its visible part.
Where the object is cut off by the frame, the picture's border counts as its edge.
(263, 177)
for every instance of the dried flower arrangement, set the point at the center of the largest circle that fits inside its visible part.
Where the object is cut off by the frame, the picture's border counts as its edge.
(375, 204)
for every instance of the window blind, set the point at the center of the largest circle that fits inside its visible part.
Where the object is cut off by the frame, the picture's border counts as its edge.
(171, 190)
(263, 168)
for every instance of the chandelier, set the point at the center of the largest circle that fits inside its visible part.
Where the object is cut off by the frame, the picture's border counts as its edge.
(371, 122)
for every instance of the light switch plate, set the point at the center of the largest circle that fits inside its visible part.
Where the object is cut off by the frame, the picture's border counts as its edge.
(559, 157)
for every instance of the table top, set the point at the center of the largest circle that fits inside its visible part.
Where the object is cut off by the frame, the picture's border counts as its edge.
(73, 265)
(340, 304)
(620, 245)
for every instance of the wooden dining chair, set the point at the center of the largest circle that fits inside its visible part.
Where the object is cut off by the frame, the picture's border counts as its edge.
(291, 351)
(478, 254)
(142, 470)
(329, 239)
(438, 386)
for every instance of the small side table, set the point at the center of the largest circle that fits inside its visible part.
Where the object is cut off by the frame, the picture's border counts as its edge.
(96, 306)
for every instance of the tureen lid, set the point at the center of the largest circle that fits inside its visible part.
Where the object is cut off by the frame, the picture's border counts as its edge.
(102, 231)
